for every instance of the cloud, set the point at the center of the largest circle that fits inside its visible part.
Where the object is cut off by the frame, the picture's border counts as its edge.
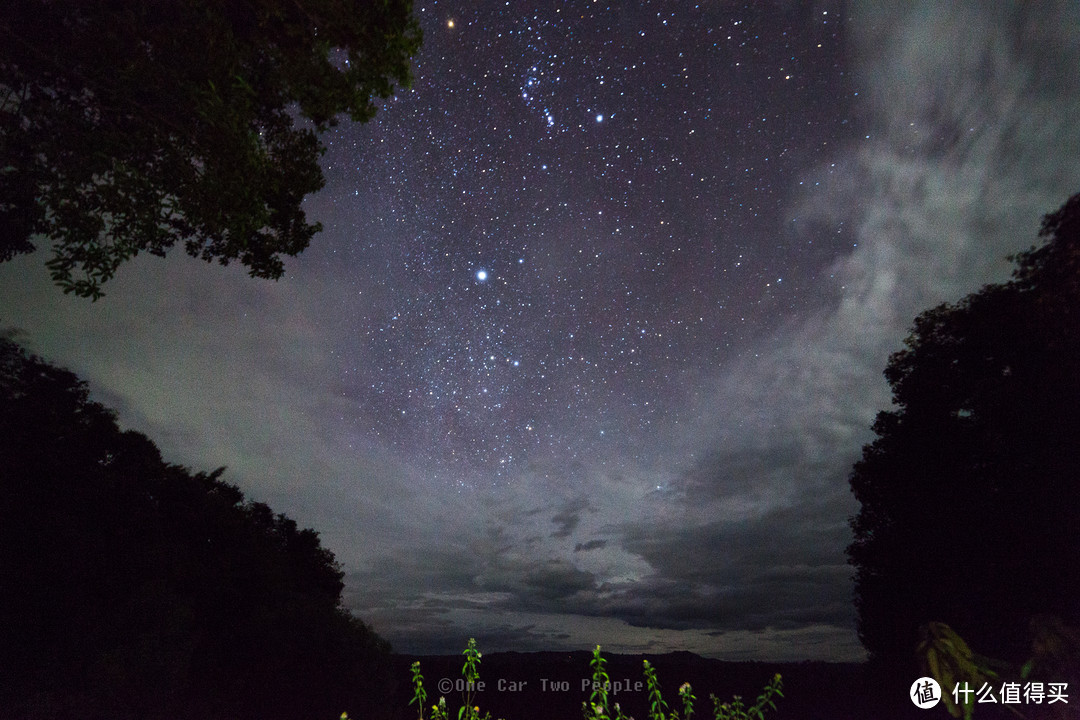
(546, 584)
(566, 521)
(591, 545)
(969, 142)
(783, 569)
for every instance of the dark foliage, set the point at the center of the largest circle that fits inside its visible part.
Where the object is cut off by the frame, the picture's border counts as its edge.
(971, 492)
(129, 126)
(132, 588)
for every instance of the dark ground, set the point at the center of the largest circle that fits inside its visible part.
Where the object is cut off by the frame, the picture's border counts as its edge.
(548, 686)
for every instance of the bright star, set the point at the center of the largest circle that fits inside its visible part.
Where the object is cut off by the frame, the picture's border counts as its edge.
(481, 275)
(599, 118)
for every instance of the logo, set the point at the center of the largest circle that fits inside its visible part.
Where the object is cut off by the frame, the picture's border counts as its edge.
(925, 693)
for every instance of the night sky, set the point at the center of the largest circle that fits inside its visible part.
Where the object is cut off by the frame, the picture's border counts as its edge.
(596, 324)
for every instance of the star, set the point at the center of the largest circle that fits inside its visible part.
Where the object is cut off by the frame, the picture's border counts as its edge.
(481, 275)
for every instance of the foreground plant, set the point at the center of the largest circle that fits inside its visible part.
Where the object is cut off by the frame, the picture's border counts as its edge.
(963, 673)
(737, 711)
(470, 671)
(597, 707)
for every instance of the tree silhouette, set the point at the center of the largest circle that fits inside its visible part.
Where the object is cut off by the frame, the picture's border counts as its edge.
(130, 587)
(970, 495)
(130, 126)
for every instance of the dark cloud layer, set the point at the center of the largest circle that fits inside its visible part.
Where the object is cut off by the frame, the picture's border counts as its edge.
(702, 232)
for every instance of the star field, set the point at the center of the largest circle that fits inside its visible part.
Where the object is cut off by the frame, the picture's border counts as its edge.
(596, 325)
(575, 214)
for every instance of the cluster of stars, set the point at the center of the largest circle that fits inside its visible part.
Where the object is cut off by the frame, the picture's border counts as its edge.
(564, 223)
